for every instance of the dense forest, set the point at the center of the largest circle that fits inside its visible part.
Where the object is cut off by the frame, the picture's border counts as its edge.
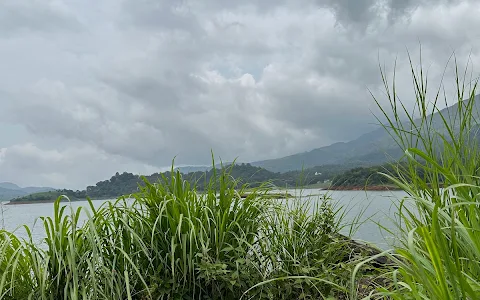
(370, 176)
(127, 183)
(363, 176)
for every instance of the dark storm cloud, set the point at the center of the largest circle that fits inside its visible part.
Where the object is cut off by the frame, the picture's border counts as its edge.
(364, 12)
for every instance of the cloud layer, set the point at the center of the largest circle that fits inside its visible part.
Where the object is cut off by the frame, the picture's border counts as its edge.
(131, 84)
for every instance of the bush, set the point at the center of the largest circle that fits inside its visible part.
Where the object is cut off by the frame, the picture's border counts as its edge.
(439, 220)
(173, 242)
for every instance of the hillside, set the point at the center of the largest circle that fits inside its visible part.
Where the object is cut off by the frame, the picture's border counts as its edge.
(373, 148)
(128, 183)
(7, 194)
(369, 149)
(363, 178)
(9, 185)
(10, 191)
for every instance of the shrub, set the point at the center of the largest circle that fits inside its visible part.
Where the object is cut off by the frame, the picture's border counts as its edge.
(172, 242)
(439, 221)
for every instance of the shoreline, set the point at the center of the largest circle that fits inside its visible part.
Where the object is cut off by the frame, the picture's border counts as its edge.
(339, 188)
(52, 201)
(363, 188)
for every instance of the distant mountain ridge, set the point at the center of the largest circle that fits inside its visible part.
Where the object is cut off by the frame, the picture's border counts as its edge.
(373, 148)
(9, 185)
(199, 168)
(9, 191)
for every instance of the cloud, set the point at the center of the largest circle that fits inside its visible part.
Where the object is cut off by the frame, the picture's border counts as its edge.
(62, 168)
(35, 16)
(135, 83)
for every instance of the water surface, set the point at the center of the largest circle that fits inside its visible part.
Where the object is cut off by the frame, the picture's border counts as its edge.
(376, 207)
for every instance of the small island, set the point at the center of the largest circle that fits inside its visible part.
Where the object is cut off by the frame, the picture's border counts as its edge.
(364, 178)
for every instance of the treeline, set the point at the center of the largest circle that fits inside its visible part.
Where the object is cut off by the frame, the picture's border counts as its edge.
(52, 195)
(126, 183)
(363, 176)
(371, 176)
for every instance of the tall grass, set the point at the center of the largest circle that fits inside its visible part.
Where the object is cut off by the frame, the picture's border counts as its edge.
(439, 255)
(171, 241)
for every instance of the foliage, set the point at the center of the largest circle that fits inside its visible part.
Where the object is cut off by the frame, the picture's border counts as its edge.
(375, 175)
(363, 176)
(439, 220)
(128, 183)
(174, 242)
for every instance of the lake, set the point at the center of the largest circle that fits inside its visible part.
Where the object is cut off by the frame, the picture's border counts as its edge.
(375, 205)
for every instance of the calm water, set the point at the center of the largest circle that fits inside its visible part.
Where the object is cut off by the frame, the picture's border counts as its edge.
(376, 206)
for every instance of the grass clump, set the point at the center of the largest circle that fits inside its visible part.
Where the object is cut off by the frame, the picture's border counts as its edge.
(439, 221)
(171, 241)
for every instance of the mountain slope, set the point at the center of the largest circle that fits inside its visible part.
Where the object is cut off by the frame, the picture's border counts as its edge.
(373, 148)
(10, 191)
(7, 194)
(9, 185)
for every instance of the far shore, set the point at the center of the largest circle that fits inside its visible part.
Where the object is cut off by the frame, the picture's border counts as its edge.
(338, 188)
(363, 188)
(11, 202)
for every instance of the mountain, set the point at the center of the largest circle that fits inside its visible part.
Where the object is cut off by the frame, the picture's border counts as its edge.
(185, 169)
(189, 169)
(9, 185)
(7, 194)
(10, 191)
(373, 148)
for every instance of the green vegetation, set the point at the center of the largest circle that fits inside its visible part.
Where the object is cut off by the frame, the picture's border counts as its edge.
(439, 220)
(372, 178)
(363, 177)
(52, 195)
(128, 183)
(174, 242)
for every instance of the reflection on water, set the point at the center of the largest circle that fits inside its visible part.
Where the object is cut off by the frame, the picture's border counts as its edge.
(376, 208)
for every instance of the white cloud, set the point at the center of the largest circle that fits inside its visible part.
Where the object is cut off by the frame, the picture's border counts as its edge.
(72, 167)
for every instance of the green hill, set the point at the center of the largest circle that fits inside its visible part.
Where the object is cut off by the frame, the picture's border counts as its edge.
(360, 178)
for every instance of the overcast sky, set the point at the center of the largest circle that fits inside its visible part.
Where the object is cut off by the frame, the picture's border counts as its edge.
(89, 88)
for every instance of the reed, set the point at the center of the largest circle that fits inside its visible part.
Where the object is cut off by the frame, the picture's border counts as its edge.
(170, 241)
(439, 220)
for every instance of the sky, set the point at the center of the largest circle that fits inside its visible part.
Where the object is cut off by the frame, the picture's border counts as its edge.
(89, 88)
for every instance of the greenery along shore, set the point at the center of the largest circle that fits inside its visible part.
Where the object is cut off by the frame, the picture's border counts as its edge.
(128, 183)
(371, 178)
(331, 177)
